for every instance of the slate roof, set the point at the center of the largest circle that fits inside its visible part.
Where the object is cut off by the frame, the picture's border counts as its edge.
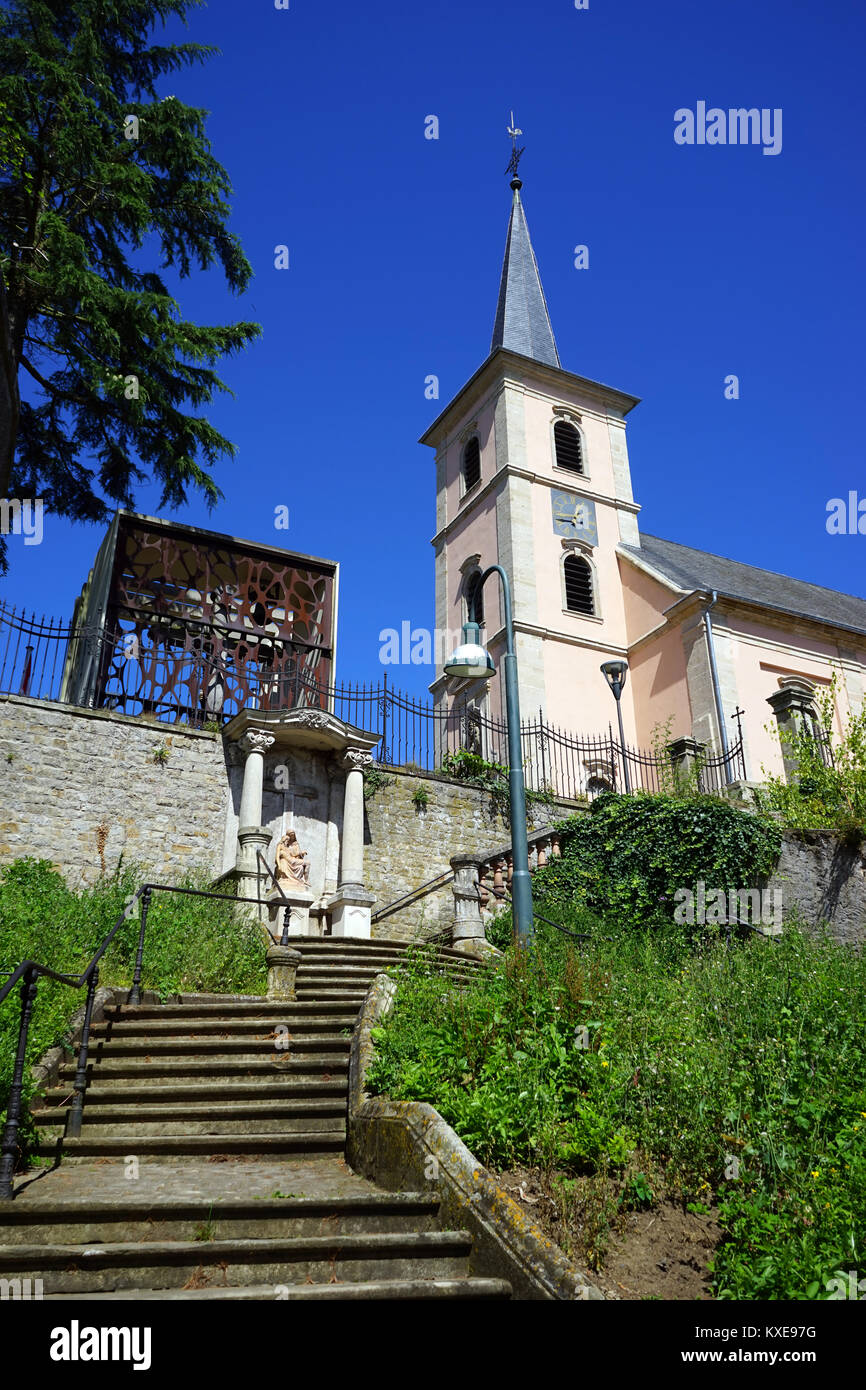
(522, 320)
(694, 569)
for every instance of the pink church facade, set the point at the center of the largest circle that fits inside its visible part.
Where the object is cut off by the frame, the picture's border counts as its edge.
(533, 474)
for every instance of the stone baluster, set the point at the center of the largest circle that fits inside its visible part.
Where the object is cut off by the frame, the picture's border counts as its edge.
(498, 884)
(467, 932)
(555, 850)
(542, 853)
(509, 859)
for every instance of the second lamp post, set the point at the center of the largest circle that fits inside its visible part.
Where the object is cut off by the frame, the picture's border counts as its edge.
(472, 661)
(615, 673)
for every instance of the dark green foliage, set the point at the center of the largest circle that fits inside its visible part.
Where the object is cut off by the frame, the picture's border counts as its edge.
(630, 854)
(192, 944)
(635, 1054)
(85, 216)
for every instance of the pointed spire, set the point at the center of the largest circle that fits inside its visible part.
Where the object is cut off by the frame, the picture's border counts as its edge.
(522, 321)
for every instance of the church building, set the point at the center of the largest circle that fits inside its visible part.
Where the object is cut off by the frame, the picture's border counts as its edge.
(533, 474)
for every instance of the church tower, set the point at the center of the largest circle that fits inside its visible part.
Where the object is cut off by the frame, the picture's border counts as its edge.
(532, 473)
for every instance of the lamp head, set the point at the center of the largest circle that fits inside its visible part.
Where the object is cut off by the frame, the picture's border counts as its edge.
(470, 661)
(615, 673)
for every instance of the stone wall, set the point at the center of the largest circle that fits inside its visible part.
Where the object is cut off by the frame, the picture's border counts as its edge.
(407, 846)
(75, 781)
(823, 881)
(81, 787)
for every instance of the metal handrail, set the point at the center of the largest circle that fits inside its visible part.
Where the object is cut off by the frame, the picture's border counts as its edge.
(29, 972)
(284, 938)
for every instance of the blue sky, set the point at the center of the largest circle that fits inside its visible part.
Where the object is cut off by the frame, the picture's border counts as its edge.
(704, 261)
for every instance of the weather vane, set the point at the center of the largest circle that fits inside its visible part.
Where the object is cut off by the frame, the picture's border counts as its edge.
(514, 131)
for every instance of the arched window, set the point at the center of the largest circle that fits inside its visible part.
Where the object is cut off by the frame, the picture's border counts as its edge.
(566, 443)
(475, 599)
(471, 463)
(579, 596)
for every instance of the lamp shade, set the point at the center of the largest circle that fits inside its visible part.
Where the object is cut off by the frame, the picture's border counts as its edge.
(615, 673)
(470, 661)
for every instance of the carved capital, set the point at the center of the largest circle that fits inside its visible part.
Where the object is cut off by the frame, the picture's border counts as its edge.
(355, 759)
(254, 741)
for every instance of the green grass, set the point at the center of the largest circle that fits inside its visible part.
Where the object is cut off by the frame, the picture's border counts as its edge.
(647, 1053)
(191, 945)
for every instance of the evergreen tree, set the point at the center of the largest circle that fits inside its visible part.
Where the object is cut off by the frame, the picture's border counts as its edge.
(97, 176)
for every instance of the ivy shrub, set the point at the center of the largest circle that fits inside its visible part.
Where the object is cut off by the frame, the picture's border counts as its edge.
(631, 853)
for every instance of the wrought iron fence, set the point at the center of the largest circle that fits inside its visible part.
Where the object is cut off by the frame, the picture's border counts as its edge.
(174, 685)
(32, 653)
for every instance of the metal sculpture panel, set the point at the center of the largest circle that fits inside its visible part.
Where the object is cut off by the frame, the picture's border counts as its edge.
(204, 629)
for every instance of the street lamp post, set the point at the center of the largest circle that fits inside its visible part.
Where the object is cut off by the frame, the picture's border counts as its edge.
(615, 673)
(472, 661)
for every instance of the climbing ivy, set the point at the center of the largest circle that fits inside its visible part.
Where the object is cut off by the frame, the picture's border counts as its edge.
(630, 854)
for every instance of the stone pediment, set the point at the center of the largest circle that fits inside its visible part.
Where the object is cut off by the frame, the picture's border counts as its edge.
(300, 728)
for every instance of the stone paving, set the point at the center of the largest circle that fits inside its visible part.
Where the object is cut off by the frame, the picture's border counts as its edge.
(235, 1178)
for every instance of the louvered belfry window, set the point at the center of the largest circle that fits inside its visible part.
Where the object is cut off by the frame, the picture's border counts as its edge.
(472, 462)
(578, 586)
(566, 441)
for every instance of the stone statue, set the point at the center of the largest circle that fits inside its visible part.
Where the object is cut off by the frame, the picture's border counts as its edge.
(293, 865)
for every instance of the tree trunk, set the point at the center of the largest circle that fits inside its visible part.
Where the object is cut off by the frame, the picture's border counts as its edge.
(10, 403)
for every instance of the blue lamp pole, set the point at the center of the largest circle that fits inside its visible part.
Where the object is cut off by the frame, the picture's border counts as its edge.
(472, 661)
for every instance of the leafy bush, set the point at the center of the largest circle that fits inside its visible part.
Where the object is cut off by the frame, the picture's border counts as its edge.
(192, 944)
(825, 792)
(737, 1074)
(631, 853)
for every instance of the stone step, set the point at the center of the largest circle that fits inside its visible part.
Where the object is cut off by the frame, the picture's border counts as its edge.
(350, 968)
(349, 996)
(84, 1222)
(173, 1146)
(264, 1009)
(220, 1125)
(330, 1024)
(166, 1091)
(356, 978)
(169, 1071)
(324, 945)
(391, 1289)
(265, 1116)
(178, 1264)
(117, 1049)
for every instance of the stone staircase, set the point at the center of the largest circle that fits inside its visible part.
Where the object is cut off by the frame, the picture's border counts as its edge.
(210, 1162)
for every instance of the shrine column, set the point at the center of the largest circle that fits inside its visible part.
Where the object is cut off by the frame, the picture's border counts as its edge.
(351, 904)
(252, 835)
